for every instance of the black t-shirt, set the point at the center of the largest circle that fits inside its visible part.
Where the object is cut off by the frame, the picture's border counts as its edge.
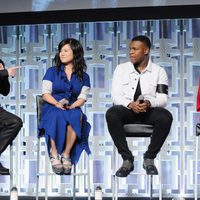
(138, 89)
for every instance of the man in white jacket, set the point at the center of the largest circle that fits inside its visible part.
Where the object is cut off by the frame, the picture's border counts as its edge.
(139, 94)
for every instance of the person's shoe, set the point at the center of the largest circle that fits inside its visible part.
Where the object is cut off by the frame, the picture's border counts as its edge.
(67, 164)
(56, 164)
(3, 170)
(148, 165)
(126, 168)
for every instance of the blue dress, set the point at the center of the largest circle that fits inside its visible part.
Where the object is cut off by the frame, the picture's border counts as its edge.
(54, 120)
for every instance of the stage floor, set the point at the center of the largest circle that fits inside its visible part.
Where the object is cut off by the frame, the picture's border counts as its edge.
(85, 198)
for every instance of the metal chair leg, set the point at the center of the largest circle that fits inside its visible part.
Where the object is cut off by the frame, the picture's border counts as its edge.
(151, 187)
(38, 172)
(116, 187)
(11, 166)
(74, 183)
(196, 160)
(196, 168)
(160, 176)
(46, 174)
(88, 175)
(38, 165)
(115, 179)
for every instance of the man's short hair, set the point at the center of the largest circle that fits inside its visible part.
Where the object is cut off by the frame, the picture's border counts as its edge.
(1, 62)
(142, 38)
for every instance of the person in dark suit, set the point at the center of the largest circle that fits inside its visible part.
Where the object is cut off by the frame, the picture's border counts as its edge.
(10, 124)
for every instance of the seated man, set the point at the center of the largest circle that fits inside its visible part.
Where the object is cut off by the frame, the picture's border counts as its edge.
(139, 93)
(10, 124)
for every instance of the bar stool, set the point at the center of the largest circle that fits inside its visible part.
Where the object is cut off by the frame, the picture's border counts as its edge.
(196, 159)
(136, 130)
(39, 105)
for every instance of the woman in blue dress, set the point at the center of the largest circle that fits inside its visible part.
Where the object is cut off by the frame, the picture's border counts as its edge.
(65, 88)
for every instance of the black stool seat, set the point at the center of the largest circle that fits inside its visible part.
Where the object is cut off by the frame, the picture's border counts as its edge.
(138, 130)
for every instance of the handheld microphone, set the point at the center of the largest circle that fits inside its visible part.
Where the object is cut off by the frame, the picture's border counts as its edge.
(64, 102)
(141, 99)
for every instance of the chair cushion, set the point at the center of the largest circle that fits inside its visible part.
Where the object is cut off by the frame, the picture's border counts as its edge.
(138, 130)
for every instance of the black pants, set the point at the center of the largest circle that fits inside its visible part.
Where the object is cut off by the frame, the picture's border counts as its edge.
(160, 118)
(10, 126)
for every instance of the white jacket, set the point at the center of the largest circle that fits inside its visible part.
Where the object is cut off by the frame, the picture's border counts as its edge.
(125, 80)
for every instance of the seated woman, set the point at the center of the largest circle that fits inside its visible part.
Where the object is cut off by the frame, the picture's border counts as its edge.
(65, 88)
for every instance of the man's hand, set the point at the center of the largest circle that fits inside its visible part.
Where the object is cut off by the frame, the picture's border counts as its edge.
(138, 107)
(12, 71)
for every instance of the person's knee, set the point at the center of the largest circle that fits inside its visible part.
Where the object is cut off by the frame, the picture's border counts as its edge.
(111, 113)
(108, 114)
(15, 124)
(18, 122)
(168, 117)
(165, 116)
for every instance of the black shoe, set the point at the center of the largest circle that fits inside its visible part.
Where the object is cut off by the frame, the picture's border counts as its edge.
(148, 165)
(126, 168)
(3, 170)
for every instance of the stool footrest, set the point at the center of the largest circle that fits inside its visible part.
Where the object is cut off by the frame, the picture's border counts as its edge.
(138, 130)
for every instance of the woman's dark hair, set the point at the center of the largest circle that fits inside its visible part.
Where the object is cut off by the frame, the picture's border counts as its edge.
(78, 53)
(1, 62)
(144, 39)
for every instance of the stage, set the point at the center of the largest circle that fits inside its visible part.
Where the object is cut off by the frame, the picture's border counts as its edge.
(92, 198)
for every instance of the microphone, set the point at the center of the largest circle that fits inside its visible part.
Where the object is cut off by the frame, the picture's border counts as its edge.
(141, 99)
(64, 102)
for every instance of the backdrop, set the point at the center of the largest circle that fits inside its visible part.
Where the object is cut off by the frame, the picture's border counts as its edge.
(175, 46)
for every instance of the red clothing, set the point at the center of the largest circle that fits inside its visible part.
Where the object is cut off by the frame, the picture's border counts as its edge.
(198, 98)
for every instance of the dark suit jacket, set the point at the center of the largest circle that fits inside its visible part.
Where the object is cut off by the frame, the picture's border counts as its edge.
(4, 83)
